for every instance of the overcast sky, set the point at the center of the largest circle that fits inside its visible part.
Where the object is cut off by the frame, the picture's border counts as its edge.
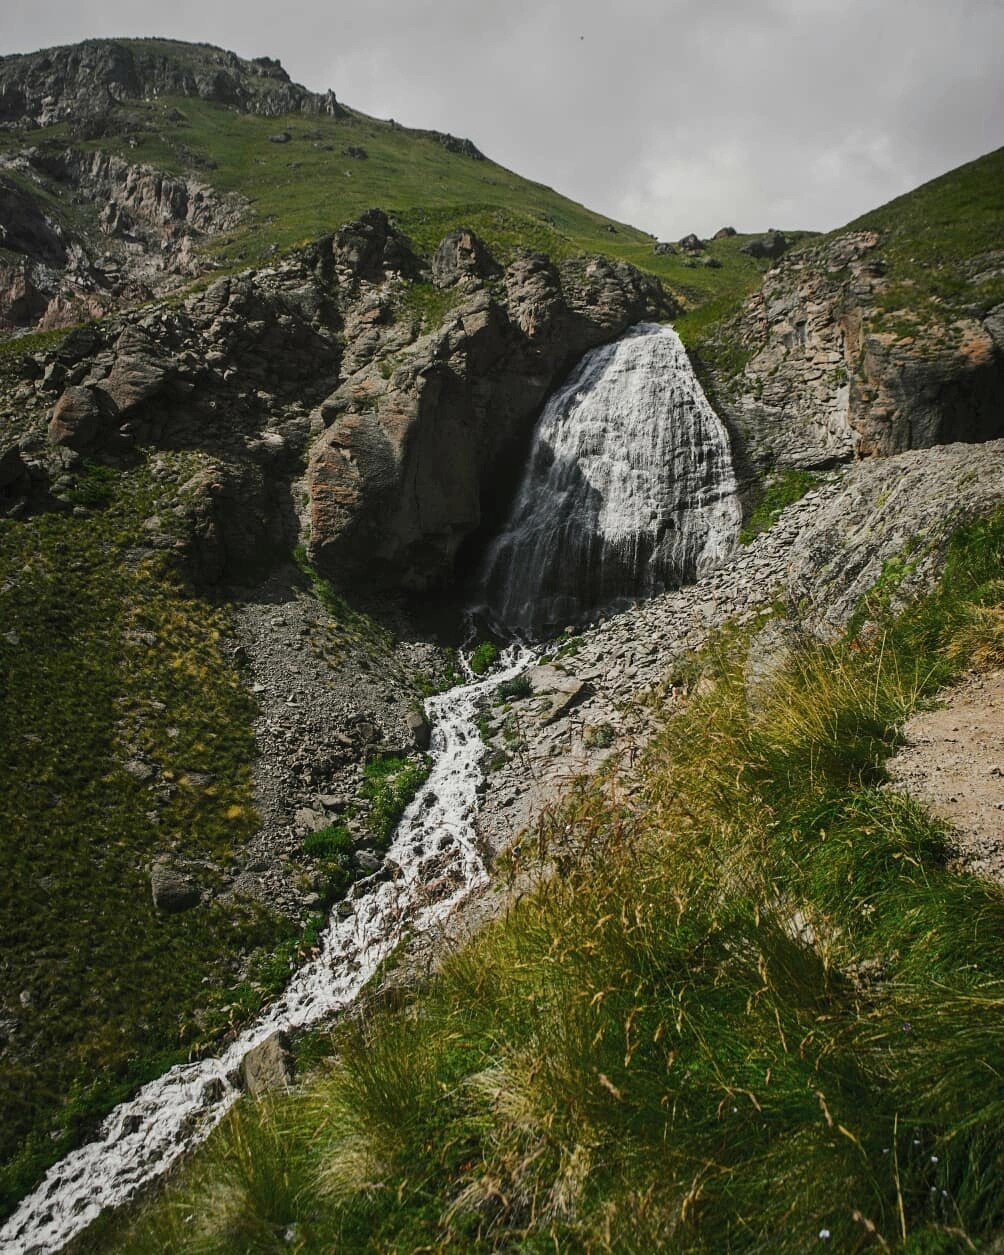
(676, 116)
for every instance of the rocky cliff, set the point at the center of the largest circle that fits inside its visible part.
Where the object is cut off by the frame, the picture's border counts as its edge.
(84, 83)
(872, 340)
(400, 422)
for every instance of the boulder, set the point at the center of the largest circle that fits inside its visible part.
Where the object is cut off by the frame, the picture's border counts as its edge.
(692, 244)
(78, 420)
(662, 249)
(462, 255)
(268, 1066)
(419, 730)
(724, 233)
(771, 245)
(173, 890)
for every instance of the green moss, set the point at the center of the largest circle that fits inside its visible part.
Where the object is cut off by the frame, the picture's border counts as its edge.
(783, 489)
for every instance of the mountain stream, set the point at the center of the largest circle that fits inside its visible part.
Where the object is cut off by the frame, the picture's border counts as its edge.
(435, 863)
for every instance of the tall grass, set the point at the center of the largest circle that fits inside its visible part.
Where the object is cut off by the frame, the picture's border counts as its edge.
(752, 1011)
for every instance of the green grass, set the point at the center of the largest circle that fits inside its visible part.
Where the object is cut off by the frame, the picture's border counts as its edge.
(754, 1009)
(389, 785)
(931, 236)
(104, 660)
(307, 187)
(783, 489)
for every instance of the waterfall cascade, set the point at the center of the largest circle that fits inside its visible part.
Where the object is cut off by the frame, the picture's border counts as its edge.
(629, 489)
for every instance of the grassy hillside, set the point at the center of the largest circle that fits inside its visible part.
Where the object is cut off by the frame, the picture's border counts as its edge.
(756, 1012)
(943, 243)
(310, 184)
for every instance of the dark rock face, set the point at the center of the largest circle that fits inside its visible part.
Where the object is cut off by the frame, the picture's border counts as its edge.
(408, 461)
(771, 245)
(724, 233)
(691, 244)
(462, 255)
(311, 366)
(826, 379)
(24, 227)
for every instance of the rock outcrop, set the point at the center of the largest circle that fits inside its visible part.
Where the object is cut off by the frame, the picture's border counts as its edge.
(146, 229)
(90, 79)
(832, 375)
(422, 432)
(320, 364)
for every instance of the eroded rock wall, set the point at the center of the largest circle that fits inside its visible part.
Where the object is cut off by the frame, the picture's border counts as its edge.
(827, 378)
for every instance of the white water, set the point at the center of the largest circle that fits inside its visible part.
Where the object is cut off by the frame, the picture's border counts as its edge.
(629, 489)
(435, 851)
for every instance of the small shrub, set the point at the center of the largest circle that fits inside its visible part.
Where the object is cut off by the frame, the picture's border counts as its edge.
(484, 657)
(389, 785)
(512, 690)
(329, 842)
(598, 736)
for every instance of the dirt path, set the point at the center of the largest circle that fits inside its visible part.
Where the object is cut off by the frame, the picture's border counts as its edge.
(954, 762)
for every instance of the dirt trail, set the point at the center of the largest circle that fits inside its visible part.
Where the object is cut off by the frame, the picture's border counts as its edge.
(954, 762)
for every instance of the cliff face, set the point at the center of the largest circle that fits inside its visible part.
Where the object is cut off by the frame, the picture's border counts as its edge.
(136, 230)
(87, 80)
(319, 366)
(832, 372)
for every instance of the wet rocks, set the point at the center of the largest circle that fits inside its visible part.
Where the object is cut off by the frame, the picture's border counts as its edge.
(268, 1066)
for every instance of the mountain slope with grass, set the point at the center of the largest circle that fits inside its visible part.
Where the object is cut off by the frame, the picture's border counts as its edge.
(269, 370)
(741, 1002)
(885, 335)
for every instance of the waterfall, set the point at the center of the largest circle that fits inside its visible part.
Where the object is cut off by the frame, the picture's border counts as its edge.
(629, 489)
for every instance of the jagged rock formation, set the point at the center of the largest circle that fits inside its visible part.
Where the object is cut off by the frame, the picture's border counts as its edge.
(421, 429)
(146, 229)
(316, 364)
(88, 80)
(829, 378)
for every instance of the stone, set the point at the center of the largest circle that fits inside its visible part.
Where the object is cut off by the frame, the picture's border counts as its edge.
(771, 245)
(77, 420)
(724, 233)
(419, 729)
(663, 249)
(268, 1066)
(461, 255)
(691, 244)
(173, 890)
(280, 137)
